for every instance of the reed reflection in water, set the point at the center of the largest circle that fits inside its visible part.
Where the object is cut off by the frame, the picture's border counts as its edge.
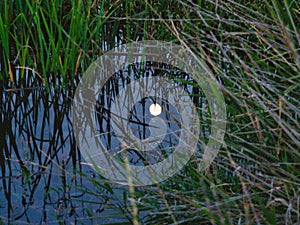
(43, 178)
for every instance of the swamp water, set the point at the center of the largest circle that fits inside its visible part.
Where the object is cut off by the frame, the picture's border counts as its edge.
(44, 178)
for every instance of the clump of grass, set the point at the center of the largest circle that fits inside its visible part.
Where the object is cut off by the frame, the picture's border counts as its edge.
(57, 39)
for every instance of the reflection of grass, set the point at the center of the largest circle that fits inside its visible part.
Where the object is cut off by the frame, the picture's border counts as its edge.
(253, 50)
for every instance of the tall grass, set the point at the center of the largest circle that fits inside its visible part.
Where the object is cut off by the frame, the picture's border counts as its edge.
(52, 37)
(252, 47)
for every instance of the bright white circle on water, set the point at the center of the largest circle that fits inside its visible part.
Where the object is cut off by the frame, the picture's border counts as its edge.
(155, 109)
(103, 69)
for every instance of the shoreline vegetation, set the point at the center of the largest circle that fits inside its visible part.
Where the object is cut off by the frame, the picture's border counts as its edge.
(252, 48)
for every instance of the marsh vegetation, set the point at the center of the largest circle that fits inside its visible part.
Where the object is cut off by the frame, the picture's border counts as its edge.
(251, 47)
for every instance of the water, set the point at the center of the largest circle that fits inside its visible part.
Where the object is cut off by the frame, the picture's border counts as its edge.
(44, 179)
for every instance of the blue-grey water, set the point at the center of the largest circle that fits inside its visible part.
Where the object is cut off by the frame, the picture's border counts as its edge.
(44, 179)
